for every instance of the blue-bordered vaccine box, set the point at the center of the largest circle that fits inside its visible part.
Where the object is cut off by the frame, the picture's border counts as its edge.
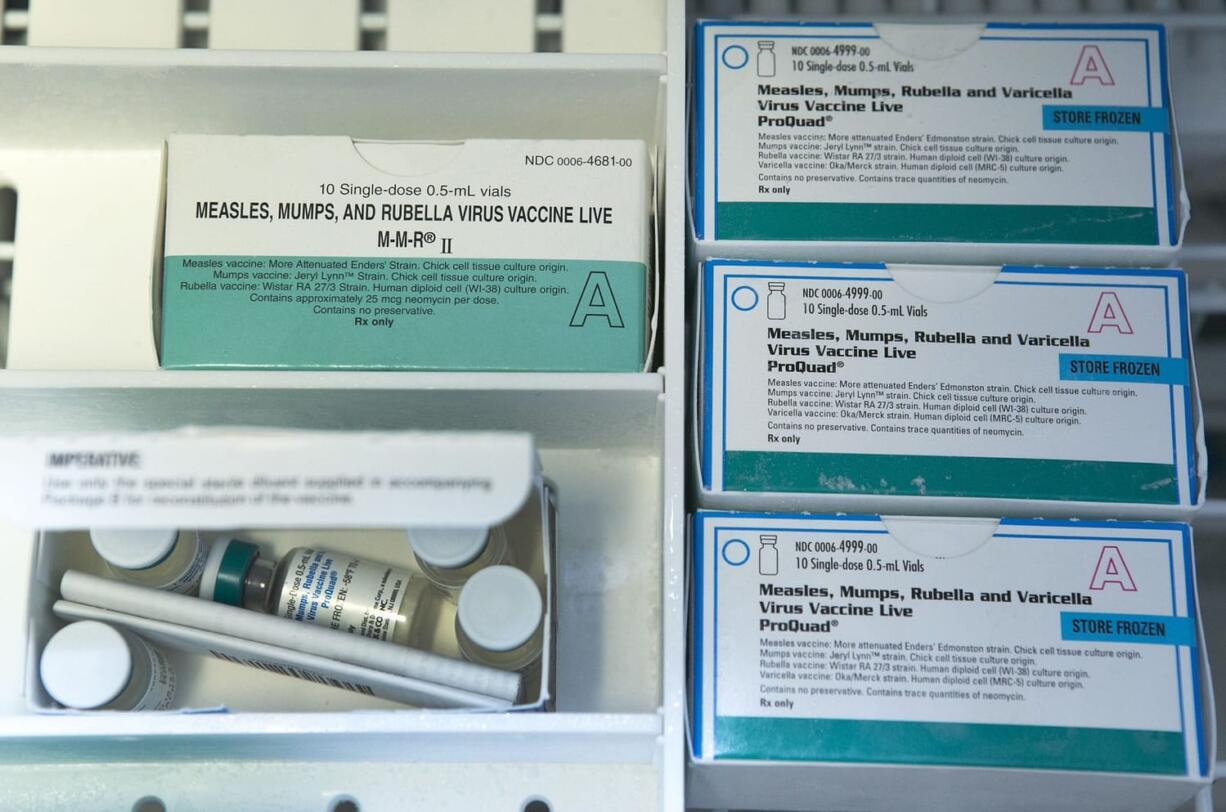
(1014, 390)
(1004, 142)
(842, 662)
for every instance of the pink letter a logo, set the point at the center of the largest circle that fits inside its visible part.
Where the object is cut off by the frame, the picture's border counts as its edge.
(1111, 569)
(1109, 313)
(1091, 66)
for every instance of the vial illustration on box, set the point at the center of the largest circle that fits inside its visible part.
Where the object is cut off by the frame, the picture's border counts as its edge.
(766, 58)
(768, 555)
(776, 302)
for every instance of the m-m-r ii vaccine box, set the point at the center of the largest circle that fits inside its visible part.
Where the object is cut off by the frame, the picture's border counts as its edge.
(847, 662)
(320, 252)
(1004, 142)
(997, 391)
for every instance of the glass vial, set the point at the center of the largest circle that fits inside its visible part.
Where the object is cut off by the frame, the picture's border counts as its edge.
(450, 556)
(335, 590)
(89, 665)
(766, 58)
(768, 555)
(776, 302)
(161, 559)
(498, 620)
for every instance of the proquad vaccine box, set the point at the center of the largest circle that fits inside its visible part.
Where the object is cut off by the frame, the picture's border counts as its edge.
(1004, 142)
(1013, 390)
(845, 662)
(317, 252)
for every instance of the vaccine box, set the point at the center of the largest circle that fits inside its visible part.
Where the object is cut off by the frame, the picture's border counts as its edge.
(845, 662)
(314, 252)
(1004, 142)
(344, 492)
(1009, 390)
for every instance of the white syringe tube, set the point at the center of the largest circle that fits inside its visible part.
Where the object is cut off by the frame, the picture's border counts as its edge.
(277, 631)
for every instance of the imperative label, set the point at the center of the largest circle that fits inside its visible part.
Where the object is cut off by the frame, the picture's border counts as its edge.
(226, 478)
(1050, 645)
(1004, 133)
(344, 593)
(1022, 383)
(323, 252)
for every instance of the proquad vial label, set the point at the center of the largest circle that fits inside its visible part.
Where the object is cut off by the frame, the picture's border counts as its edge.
(344, 593)
(1016, 383)
(1004, 133)
(1050, 645)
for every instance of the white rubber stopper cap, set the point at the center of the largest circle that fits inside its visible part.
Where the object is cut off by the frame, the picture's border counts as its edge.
(133, 549)
(500, 608)
(86, 665)
(447, 547)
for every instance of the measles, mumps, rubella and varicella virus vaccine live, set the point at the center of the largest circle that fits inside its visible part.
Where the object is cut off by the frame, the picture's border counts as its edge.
(1012, 383)
(304, 252)
(956, 136)
(1026, 644)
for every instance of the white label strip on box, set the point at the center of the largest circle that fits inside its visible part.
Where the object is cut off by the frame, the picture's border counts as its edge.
(219, 478)
(1004, 133)
(1049, 645)
(1070, 384)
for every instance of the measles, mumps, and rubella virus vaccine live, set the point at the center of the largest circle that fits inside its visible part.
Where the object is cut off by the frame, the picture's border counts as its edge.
(304, 252)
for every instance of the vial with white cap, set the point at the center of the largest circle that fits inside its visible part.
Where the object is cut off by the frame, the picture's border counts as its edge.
(166, 559)
(92, 666)
(498, 620)
(335, 590)
(449, 556)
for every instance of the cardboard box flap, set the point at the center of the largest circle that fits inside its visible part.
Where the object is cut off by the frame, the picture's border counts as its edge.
(218, 478)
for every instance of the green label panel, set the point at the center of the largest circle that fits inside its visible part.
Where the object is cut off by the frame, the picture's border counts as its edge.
(922, 475)
(933, 222)
(1034, 747)
(437, 313)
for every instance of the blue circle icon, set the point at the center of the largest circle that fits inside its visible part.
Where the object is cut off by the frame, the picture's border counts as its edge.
(735, 57)
(735, 552)
(744, 298)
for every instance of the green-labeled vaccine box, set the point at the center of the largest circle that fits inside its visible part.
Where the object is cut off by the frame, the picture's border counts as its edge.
(313, 252)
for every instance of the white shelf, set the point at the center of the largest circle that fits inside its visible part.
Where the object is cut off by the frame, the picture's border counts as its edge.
(364, 95)
(611, 442)
(379, 786)
(1197, 52)
(585, 410)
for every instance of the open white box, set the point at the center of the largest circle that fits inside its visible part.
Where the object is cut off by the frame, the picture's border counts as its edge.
(205, 683)
(611, 442)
